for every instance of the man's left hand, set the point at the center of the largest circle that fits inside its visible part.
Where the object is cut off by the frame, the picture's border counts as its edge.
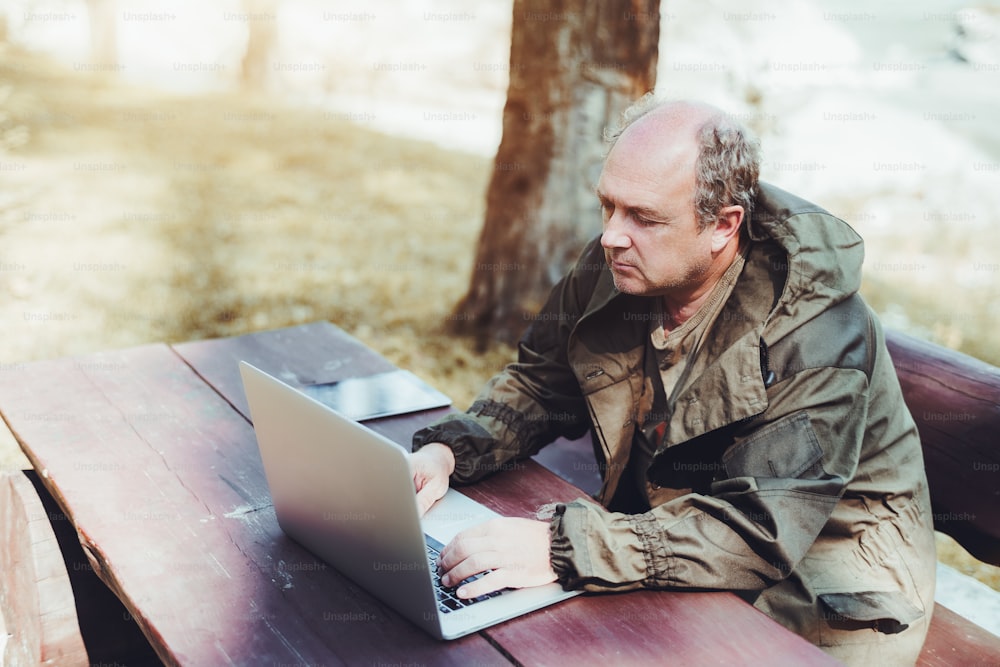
(516, 550)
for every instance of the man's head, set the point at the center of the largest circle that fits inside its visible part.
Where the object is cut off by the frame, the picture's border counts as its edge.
(678, 182)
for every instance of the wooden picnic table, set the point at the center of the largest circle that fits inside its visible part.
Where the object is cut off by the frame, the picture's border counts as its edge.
(151, 454)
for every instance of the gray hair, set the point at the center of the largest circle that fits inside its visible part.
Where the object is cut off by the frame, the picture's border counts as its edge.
(728, 165)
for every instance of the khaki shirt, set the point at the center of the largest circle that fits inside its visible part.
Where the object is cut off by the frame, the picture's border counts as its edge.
(669, 357)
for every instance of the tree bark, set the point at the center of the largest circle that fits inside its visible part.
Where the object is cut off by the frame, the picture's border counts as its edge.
(574, 67)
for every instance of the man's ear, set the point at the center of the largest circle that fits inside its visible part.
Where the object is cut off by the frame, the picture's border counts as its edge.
(727, 226)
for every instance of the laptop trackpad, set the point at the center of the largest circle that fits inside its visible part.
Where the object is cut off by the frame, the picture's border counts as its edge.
(453, 514)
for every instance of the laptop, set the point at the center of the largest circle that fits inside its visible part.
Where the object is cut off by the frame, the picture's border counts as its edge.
(346, 494)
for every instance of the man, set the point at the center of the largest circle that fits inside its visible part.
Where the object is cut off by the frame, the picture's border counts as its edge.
(748, 422)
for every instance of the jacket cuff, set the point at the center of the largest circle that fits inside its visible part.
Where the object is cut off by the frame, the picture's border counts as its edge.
(561, 548)
(467, 439)
(601, 551)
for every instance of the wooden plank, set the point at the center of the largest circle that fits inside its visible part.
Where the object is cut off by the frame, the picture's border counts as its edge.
(163, 480)
(955, 401)
(36, 598)
(650, 628)
(304, 354)
(954, 640)
(109, 633)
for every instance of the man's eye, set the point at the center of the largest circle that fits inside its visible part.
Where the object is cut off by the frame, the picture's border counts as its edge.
(645, 222)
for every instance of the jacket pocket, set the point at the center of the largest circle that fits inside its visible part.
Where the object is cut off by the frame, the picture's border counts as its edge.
(787, 448)
(871, 588)
(885, 611)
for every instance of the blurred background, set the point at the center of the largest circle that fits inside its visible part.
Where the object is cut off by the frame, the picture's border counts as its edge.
(182, 170)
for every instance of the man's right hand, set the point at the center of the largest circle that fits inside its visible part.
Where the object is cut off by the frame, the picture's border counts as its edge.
(431, 465)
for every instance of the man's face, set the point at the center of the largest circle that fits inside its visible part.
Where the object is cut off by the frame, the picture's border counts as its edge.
(651, 238)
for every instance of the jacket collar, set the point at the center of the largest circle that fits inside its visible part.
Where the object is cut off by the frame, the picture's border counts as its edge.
(794, 271)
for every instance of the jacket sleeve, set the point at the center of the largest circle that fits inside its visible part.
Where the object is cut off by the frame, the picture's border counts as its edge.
(531, 402)
(775, 489)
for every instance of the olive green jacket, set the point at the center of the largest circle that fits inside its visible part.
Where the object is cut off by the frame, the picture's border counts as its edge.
(790, 471)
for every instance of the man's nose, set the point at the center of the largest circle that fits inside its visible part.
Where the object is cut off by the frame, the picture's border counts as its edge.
(614, 235)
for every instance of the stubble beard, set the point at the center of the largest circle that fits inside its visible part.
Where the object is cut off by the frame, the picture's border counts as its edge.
(694, 275)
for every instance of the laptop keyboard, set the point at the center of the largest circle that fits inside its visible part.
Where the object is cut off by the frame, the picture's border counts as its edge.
(447, 599)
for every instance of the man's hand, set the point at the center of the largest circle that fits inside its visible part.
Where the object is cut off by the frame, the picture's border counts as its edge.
(516, 550)
(431, 465)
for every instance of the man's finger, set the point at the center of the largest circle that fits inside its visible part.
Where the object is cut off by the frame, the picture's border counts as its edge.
(470, 541)
(484, 585)
(458, 567)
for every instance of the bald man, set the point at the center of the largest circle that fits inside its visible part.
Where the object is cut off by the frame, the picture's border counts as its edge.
(745, 414)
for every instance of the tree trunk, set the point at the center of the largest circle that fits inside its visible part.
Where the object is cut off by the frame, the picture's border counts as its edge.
(103, 21)
(262, 33)
(574, 67)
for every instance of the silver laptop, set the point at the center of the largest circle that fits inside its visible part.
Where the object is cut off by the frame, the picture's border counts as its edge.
(346, 493)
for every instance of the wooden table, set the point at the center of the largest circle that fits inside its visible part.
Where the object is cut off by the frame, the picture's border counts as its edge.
(151, 454)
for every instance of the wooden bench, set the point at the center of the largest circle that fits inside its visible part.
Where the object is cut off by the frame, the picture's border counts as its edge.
(36, 599)
(55, 608)
(955, 401)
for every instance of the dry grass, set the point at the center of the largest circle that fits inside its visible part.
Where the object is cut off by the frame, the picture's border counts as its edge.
(141, 217)
(131, 217)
